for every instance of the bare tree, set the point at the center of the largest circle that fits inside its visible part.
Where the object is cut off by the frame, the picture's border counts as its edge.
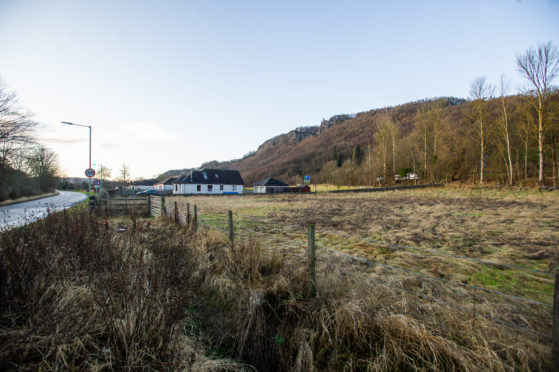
(15, 127)
(383, 137)
(540, 67)
(480, 91)
(43, 165)
(124, 173)
(506, 126)
(104, 172)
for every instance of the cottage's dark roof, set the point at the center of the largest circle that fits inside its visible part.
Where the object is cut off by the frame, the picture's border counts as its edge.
(169, 181)
(149, 182)
(212, 176)
(270, 182)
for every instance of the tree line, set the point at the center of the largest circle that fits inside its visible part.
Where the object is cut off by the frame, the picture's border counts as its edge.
(26, 168)
(494, 136)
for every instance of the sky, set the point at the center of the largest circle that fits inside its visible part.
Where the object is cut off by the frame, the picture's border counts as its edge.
(173, 84)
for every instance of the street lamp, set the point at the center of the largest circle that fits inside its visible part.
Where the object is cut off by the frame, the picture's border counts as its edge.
(86, 126)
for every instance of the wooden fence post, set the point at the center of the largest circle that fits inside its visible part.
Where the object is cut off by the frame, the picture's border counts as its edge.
(555, 347)
(188, 214)
(149, 206)
(230, 220)
(176, 214)
(312, 261)
(195, 220)
(163, 212)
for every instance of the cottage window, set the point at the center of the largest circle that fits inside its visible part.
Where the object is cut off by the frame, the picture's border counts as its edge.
(220, 186)
(198, 188)
(176, 188)
(234, 187)
(210, 187)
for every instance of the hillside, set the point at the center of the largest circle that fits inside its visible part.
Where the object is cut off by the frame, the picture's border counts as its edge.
(437, 139)
(305, 150)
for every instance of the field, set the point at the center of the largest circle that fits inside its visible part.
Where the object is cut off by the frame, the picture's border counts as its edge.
(433, 279)
(442, 233)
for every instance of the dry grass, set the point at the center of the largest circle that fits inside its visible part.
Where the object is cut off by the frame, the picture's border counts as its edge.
(80, 293)
(351, 325)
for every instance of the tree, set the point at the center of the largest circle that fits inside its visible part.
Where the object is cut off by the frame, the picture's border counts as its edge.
(15, 127)
(506, 126)
(540, 67)
(15, 140)
(383, 137)
(480, 91)
(104, 172)
(124, 173)
(43, 165)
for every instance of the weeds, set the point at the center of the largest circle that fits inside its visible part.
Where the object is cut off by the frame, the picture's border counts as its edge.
(82, 293)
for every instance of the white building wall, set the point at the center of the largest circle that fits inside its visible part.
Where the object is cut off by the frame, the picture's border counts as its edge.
(216, 190)
(161, 186)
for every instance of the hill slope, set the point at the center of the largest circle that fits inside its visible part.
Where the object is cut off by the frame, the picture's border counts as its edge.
(305, 150)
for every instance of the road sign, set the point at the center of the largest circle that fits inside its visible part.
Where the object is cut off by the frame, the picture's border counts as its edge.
(307, 179)
(90, 172)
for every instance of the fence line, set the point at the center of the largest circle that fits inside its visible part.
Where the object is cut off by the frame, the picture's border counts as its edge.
(419, 295)
(422, 249)
(430, 277)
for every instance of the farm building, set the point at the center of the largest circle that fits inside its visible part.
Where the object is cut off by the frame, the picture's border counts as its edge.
(272, 185)
(210, 181)
(269, 185)
(166, 185)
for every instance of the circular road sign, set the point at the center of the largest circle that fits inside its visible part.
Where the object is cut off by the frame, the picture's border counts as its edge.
(90, 172)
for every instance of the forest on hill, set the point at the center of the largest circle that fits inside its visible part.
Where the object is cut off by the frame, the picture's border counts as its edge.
(438, 139)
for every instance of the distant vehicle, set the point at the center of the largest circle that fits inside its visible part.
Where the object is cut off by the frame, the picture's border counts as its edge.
(147, 192)
(408, 176)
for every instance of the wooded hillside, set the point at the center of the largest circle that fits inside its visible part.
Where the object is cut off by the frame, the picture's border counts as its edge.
(438, 139)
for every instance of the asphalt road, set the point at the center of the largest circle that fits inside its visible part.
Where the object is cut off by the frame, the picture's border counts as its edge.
(23, 213)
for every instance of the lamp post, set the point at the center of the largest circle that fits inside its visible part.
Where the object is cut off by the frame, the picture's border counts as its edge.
(85, 126)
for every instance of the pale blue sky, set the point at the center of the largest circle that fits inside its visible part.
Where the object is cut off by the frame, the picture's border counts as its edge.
(172, 84)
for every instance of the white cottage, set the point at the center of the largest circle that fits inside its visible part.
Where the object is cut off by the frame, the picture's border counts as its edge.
(210, 181)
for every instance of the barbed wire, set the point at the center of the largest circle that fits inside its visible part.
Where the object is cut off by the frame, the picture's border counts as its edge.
(401, 289)
(423, 275)
(421, 249)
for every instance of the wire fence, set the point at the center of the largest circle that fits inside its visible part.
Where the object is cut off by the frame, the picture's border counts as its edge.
(243, 225)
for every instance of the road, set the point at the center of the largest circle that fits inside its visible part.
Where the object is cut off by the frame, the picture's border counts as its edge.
(23, 213)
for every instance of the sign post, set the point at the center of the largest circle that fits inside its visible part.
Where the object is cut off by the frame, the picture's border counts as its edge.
(90, 172)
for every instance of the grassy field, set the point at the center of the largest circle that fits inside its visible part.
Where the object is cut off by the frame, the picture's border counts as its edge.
(127, 293)
(440, 232)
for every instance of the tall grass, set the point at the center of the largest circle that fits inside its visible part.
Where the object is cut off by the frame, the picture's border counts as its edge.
(260, 302)
(77, 293)
(81, 293)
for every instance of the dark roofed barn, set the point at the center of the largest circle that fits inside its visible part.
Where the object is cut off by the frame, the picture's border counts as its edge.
(269, 185)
